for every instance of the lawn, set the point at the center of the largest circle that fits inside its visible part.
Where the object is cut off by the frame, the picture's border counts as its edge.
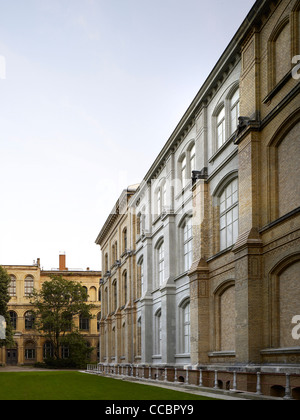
(80, 386)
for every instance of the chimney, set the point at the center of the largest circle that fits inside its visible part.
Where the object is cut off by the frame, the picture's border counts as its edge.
(62, 262)
(38, 262)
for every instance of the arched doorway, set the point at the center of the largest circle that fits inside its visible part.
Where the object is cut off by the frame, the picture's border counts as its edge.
(12, 356)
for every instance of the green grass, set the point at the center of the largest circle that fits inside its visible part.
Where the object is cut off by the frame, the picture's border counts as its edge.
(80, 386)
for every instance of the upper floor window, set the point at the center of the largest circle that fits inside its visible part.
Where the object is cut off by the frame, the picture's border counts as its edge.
(193, 158)
(161, 264)
(115, 295)
(184, 172)
(221, 128)
(187, 244)
(29, 285)
(235, 110)
(84, 323)
(229, 215)
(13, 319)
(158, 201)
(125, 287)
(164, 195)
(106, 263)
(12, 290)
(29, 320)
(125, 238)
(140, 277)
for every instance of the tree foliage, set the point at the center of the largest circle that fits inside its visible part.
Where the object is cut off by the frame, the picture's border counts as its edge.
(4, 299)
(55, 306)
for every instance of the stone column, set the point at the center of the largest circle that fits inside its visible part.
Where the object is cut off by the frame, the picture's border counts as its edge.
(199, 275)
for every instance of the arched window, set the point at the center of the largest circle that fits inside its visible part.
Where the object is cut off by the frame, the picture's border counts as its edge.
(123, 340)
(139, 337)
(113, 342)
(29, 285)
(161, 263)
(140, 277)
(86, 291)
(229, 215)
(29, 321)
(98, 321)
(158, 201)
(157, 335)
(106, 263)
(12, 290)
(221, 128)
(116, 251)
(115, 295)
(13, 319)
(93, 294)
(225, 316)
(113, 253)
(106, 307)
(234, 110)
(125, 288)
(125, 245)
(184, 172)
(186, 328)
(193, 158)
(187, 243)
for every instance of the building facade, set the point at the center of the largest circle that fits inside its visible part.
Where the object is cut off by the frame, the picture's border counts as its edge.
(119, 291)
(216, 237)
(30, 347)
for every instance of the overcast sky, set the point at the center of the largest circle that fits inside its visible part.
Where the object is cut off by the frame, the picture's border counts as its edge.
(91, 91)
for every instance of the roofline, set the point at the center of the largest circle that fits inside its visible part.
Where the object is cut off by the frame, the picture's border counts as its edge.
(232, 49)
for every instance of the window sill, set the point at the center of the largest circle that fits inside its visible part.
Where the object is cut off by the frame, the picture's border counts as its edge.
(182, 355)
(278, 87)
(219, 254)
(287, 350)
(222, 354)
(222, 148)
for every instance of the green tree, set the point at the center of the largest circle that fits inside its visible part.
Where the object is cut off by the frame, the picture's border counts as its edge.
(55, 306)
(4, 299)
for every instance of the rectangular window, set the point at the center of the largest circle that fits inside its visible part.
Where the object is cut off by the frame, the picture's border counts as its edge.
(187, 244)
(221, 135)
(229, 216)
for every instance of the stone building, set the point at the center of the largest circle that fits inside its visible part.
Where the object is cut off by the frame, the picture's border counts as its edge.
(30, 347)
(217, 216)
(119, 286)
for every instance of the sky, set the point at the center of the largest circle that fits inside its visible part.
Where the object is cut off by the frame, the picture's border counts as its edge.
(90, 91)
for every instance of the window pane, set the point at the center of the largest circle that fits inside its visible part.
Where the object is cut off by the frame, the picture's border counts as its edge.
(221, 115)
(223, 243)
(235, 231)
(229, 236)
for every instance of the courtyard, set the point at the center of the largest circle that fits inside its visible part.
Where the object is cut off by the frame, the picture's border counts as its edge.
(72, 385)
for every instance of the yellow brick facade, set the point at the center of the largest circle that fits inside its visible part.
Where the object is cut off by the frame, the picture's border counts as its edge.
(29, 345)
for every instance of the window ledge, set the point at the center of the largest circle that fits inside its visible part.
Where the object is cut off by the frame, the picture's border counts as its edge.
(278, 87)
(222, 353)
(182, 355)
(219, 254)
(286, 350)
(222, 148)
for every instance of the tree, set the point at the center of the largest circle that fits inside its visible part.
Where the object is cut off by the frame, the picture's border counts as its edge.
(55, 306)
(4, 299)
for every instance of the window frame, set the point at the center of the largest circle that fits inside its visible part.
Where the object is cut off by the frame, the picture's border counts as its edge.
(229, 215)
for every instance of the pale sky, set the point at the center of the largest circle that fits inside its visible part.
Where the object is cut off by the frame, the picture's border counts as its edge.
(90, 91)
